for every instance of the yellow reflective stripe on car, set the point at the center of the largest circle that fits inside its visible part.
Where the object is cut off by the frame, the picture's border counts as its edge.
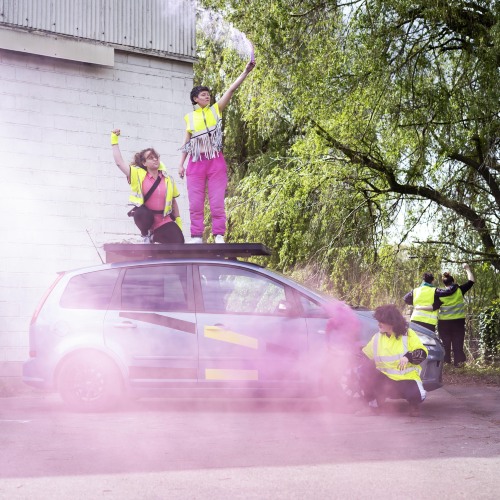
(216, 333)
(221, 374)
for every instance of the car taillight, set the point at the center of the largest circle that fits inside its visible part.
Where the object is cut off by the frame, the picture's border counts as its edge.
(42, 302)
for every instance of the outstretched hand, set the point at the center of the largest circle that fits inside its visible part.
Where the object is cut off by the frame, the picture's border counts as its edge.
(249, 67)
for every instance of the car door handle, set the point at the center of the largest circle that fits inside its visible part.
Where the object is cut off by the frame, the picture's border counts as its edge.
(125, 324)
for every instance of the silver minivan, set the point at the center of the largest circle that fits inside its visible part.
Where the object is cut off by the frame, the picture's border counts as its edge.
(191, 319)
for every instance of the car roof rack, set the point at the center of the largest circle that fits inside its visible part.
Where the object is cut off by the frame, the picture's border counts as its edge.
(120, 252)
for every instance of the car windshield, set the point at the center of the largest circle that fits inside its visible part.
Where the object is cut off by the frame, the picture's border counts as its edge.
(305, 283)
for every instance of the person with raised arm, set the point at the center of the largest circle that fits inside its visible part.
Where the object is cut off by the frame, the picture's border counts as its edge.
(451, 317)
(206, 168)
(153, 195)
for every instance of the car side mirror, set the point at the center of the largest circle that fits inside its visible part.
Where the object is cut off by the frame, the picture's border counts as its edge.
(285, 308)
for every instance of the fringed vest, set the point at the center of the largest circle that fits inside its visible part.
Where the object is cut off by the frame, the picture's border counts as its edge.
(205, 126)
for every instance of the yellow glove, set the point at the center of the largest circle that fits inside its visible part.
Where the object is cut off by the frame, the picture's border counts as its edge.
(178, 221)
(114, 139)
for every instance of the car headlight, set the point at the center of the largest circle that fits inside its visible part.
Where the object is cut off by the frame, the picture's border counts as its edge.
(426, 339)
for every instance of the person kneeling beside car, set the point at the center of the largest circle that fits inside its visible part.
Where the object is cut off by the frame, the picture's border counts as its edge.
(391, 366)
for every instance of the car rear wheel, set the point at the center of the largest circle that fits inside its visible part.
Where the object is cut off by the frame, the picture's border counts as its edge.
(89, 381)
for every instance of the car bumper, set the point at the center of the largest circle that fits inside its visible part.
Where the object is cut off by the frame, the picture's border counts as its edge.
(35, 375)
(432, 374)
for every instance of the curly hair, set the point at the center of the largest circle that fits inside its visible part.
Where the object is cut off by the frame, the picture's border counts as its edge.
(447, 279)
(391, 315)
(196, 92)
(140, 157)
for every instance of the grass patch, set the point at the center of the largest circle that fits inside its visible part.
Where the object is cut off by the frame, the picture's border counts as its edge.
(472, 374)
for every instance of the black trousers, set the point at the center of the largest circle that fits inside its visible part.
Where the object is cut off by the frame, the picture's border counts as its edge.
(378, 386)
(452, 333)
(168, 233)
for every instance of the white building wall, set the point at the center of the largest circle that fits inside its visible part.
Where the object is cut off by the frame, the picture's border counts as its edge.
(163, 26)
(61, 188)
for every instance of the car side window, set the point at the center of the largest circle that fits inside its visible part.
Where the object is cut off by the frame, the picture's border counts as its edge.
(155, 288)
(312, 309)
(90, 290)
(230, 290)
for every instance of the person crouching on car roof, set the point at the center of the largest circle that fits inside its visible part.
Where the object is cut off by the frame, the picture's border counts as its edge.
(153, 194)
(391, 367)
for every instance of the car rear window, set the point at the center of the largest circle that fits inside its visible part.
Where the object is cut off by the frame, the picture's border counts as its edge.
(155, 288)
(90, 290)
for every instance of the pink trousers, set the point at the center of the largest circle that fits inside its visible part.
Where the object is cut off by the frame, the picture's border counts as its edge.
(203, 174)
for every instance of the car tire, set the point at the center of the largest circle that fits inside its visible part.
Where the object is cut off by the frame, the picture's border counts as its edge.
(90, 382)
(340, 381)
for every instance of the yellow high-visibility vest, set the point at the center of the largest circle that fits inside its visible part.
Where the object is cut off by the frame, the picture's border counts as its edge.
(202, 118)
(137, 176)
(424, 296)
(387, 352)
(205, 127)
(453, 306)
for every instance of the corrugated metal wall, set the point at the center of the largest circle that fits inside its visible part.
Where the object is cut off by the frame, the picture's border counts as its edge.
(163, 26)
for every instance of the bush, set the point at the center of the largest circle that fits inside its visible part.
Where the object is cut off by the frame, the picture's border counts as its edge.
(489, 331)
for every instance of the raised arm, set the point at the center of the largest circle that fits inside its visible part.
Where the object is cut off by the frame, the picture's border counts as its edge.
(468, 270)
(117, 154)
(224, 100)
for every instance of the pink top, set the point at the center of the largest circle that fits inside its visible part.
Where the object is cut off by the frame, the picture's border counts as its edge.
(157, 200)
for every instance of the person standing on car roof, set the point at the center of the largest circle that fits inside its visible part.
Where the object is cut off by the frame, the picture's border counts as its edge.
(206, 167)
(451, 317)
(158, 218)
(425, 300)
(391, 367)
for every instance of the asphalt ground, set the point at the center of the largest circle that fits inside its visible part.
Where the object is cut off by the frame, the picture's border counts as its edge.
(220, 448)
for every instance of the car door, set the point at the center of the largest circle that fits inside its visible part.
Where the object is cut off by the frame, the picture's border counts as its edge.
(247, 331)
(335, 338)
(151, 324)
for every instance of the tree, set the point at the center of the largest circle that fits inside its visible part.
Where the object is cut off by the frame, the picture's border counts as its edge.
(396, 99)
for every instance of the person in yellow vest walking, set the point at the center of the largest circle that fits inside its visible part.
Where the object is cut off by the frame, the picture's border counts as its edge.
(153, 195)
(451, 317)
(206, 167)
(391, 367)
(425, 300)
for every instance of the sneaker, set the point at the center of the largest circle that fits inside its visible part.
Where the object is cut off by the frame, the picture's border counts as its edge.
(146, 239)
(219, 238)
(196, 239)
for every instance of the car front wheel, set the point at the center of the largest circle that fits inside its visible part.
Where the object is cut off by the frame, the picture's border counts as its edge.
(89, 381)
(340, 380)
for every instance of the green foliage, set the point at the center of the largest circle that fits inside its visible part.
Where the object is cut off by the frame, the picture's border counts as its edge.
(360, 122)
(489, 331)
(472, 374)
